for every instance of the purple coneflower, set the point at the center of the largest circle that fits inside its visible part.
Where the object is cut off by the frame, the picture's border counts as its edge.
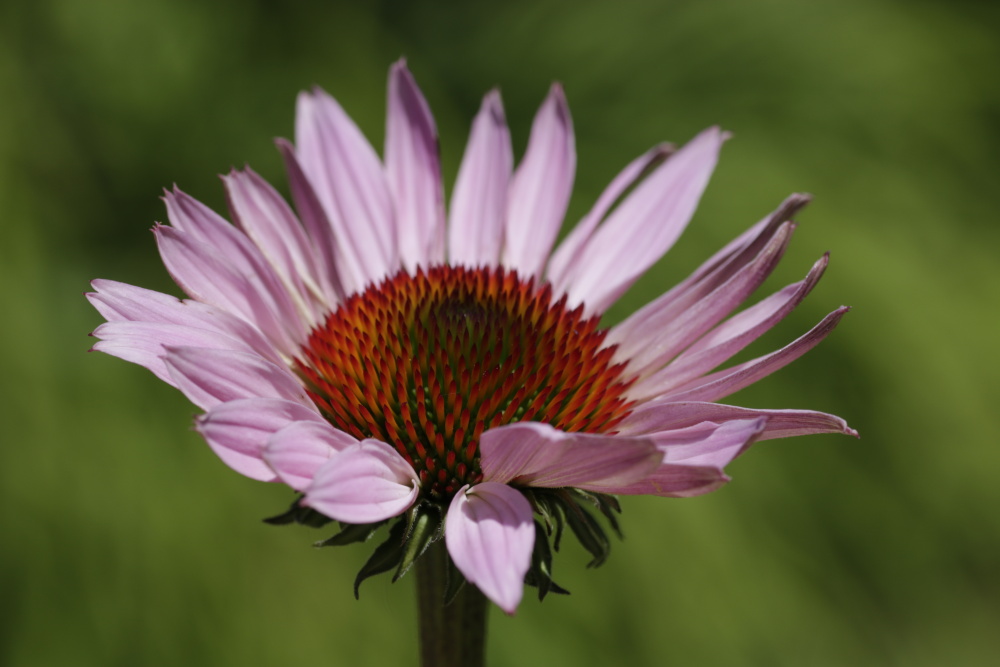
(387, 359)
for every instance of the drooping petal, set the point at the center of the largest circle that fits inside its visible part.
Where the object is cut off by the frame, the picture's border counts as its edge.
(694, 458)
(238, 431)
(538, 455)
(348, 179)
(490, 535)
(413, 170)
(363, 483)
(210, 377)
(479, 202)
(540, 188)
(299, 450)
(709, 443)
(645, 225)
(725, 382)
(664, 416)
(564, 259)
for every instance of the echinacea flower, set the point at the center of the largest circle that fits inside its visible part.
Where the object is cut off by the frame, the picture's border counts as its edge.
(386, 358)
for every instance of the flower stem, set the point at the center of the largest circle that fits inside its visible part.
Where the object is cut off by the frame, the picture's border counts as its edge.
(452, 635)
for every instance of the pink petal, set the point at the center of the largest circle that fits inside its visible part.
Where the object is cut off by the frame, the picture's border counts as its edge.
(300, 449)
(317, 225)
(660, 341)
(664, 416)
(676, 481)
(413, 171)
(708, 443)
(210, 377)
(238, 431)
(363, 483)
(694, 458)
(347, 177)
(479, 202)
(490, 535)
(207, 275)
(731, 336)
(145, 343)
(722, 383)
(268, 220)
(540, 189)
(536, 454)
(565, 259)
(712, 273)
(645, 225)
(119, 302)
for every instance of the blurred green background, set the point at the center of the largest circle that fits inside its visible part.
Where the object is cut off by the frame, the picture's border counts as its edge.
(126, 542)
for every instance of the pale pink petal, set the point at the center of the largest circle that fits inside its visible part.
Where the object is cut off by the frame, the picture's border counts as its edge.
(210, 377)
(317, 225)
(413, 170)
(566, 257)
(709, 443)
(540, 188)
(652, 347)
(207, 275)
(363, 483)
(676, 481)
(722, 383)
(119, 302)
(237, 431)
(664, 416)
(538, 455)
(479, 202)
(300, 449)
(694, 458)
(737, 332)
(268, 220)
(348, 179)
(645, 225)
(490, 535)
(712, 273)
(145, 343)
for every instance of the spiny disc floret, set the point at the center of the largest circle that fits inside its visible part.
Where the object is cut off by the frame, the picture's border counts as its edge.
(428, 361)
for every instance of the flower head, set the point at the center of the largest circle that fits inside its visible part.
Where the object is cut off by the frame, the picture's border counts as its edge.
(387, 359)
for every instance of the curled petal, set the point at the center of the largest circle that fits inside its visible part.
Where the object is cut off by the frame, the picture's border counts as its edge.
(297, 451)
(363, 483)
(536, 454)
(237, 431)
(490, 535)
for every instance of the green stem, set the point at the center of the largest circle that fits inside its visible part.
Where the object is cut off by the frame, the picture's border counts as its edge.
(452, 635)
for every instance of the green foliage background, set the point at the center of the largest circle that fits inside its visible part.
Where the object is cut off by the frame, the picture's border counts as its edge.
(125, 542)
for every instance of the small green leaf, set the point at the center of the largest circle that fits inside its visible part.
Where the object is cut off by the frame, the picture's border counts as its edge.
(299, 514)
(589, 533)
(351, 533)
(385, 557)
